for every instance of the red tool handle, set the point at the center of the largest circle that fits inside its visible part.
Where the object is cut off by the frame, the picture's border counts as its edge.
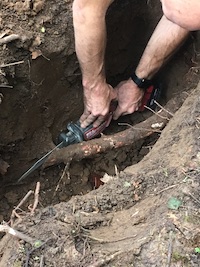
(91, 132)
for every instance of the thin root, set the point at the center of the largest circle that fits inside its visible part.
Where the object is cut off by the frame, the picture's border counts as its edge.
(36, 199)
(7, 229)
(9, 38)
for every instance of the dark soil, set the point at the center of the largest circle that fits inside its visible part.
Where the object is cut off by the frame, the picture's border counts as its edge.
(130, 213)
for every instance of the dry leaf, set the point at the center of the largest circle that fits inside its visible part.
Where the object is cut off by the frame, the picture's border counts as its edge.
(36, 42)
(36, 54)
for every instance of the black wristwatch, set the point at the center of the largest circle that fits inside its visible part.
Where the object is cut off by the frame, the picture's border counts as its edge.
(141, 83)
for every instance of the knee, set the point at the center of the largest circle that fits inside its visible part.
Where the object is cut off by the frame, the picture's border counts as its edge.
(78, 10)
(83, 9)
(167, 9)
(181, 13)
(172, 11)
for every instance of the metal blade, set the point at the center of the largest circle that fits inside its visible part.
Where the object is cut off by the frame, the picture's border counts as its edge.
(38, 163)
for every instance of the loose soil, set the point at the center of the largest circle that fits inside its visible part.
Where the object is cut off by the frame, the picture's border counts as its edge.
(127, 221)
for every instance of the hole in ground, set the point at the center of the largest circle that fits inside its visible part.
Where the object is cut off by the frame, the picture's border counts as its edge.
(55, 98)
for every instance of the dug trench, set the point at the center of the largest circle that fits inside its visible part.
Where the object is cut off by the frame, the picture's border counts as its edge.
(148, 205)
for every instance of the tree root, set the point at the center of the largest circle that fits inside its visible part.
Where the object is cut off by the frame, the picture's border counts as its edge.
(9, 38)
(7, 229)
(125, 138)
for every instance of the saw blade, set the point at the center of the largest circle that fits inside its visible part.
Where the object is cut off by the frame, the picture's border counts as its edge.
(38, 163)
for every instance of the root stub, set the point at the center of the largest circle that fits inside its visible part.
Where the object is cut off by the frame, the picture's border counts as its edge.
(121, 139)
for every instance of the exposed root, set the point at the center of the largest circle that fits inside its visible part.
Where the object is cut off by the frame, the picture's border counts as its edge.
(7, 229)
(11, 64)
(14, 212)
(121, 139)
(9, 38)
(36, 200)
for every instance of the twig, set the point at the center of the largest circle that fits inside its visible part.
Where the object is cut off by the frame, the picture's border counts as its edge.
(179, 229)
(159, 105)
(29, 252)
(45, 57)
(194, 198)
(5, 86)
(9, 38)
(157, 113)
(167, 188)
(104, 261)
(10, 230)
(30, 192)
(62, 176)
(84, 246)
(14, 213)
(36, 199)
(42, 261)
(136, 128)
(169, 256)
(12, 64)
(109, 241)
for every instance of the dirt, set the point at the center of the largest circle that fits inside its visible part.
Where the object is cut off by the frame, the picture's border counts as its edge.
(127, 221)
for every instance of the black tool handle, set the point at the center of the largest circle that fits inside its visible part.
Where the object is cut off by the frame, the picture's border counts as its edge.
(77, 134)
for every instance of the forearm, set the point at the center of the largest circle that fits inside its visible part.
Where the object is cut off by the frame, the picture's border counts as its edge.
(166, 39)
(90, 40)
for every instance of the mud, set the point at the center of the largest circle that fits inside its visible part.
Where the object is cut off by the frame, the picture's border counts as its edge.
(40, 95)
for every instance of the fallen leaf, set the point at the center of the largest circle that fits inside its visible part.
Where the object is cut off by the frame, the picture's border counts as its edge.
(197, 250)
(174, 203)
(36, 54)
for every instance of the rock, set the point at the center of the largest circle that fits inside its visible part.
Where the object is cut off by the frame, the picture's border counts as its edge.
(3, 167)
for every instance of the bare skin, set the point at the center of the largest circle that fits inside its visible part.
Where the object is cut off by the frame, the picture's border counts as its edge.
(166, 38)
(185, 13)
(90, 39)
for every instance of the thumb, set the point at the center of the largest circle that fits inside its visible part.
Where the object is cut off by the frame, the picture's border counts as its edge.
(113, 94)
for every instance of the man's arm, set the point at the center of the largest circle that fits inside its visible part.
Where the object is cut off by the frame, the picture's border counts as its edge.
(90, 42)
(165, 40)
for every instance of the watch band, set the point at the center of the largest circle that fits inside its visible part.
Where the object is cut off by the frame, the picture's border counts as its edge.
(141, 83)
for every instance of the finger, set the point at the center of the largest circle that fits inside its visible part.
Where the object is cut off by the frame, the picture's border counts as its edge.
(132, 109)
(118, 112)
(89, 120)
(121, 112)
(84, 116)
(98, 121)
